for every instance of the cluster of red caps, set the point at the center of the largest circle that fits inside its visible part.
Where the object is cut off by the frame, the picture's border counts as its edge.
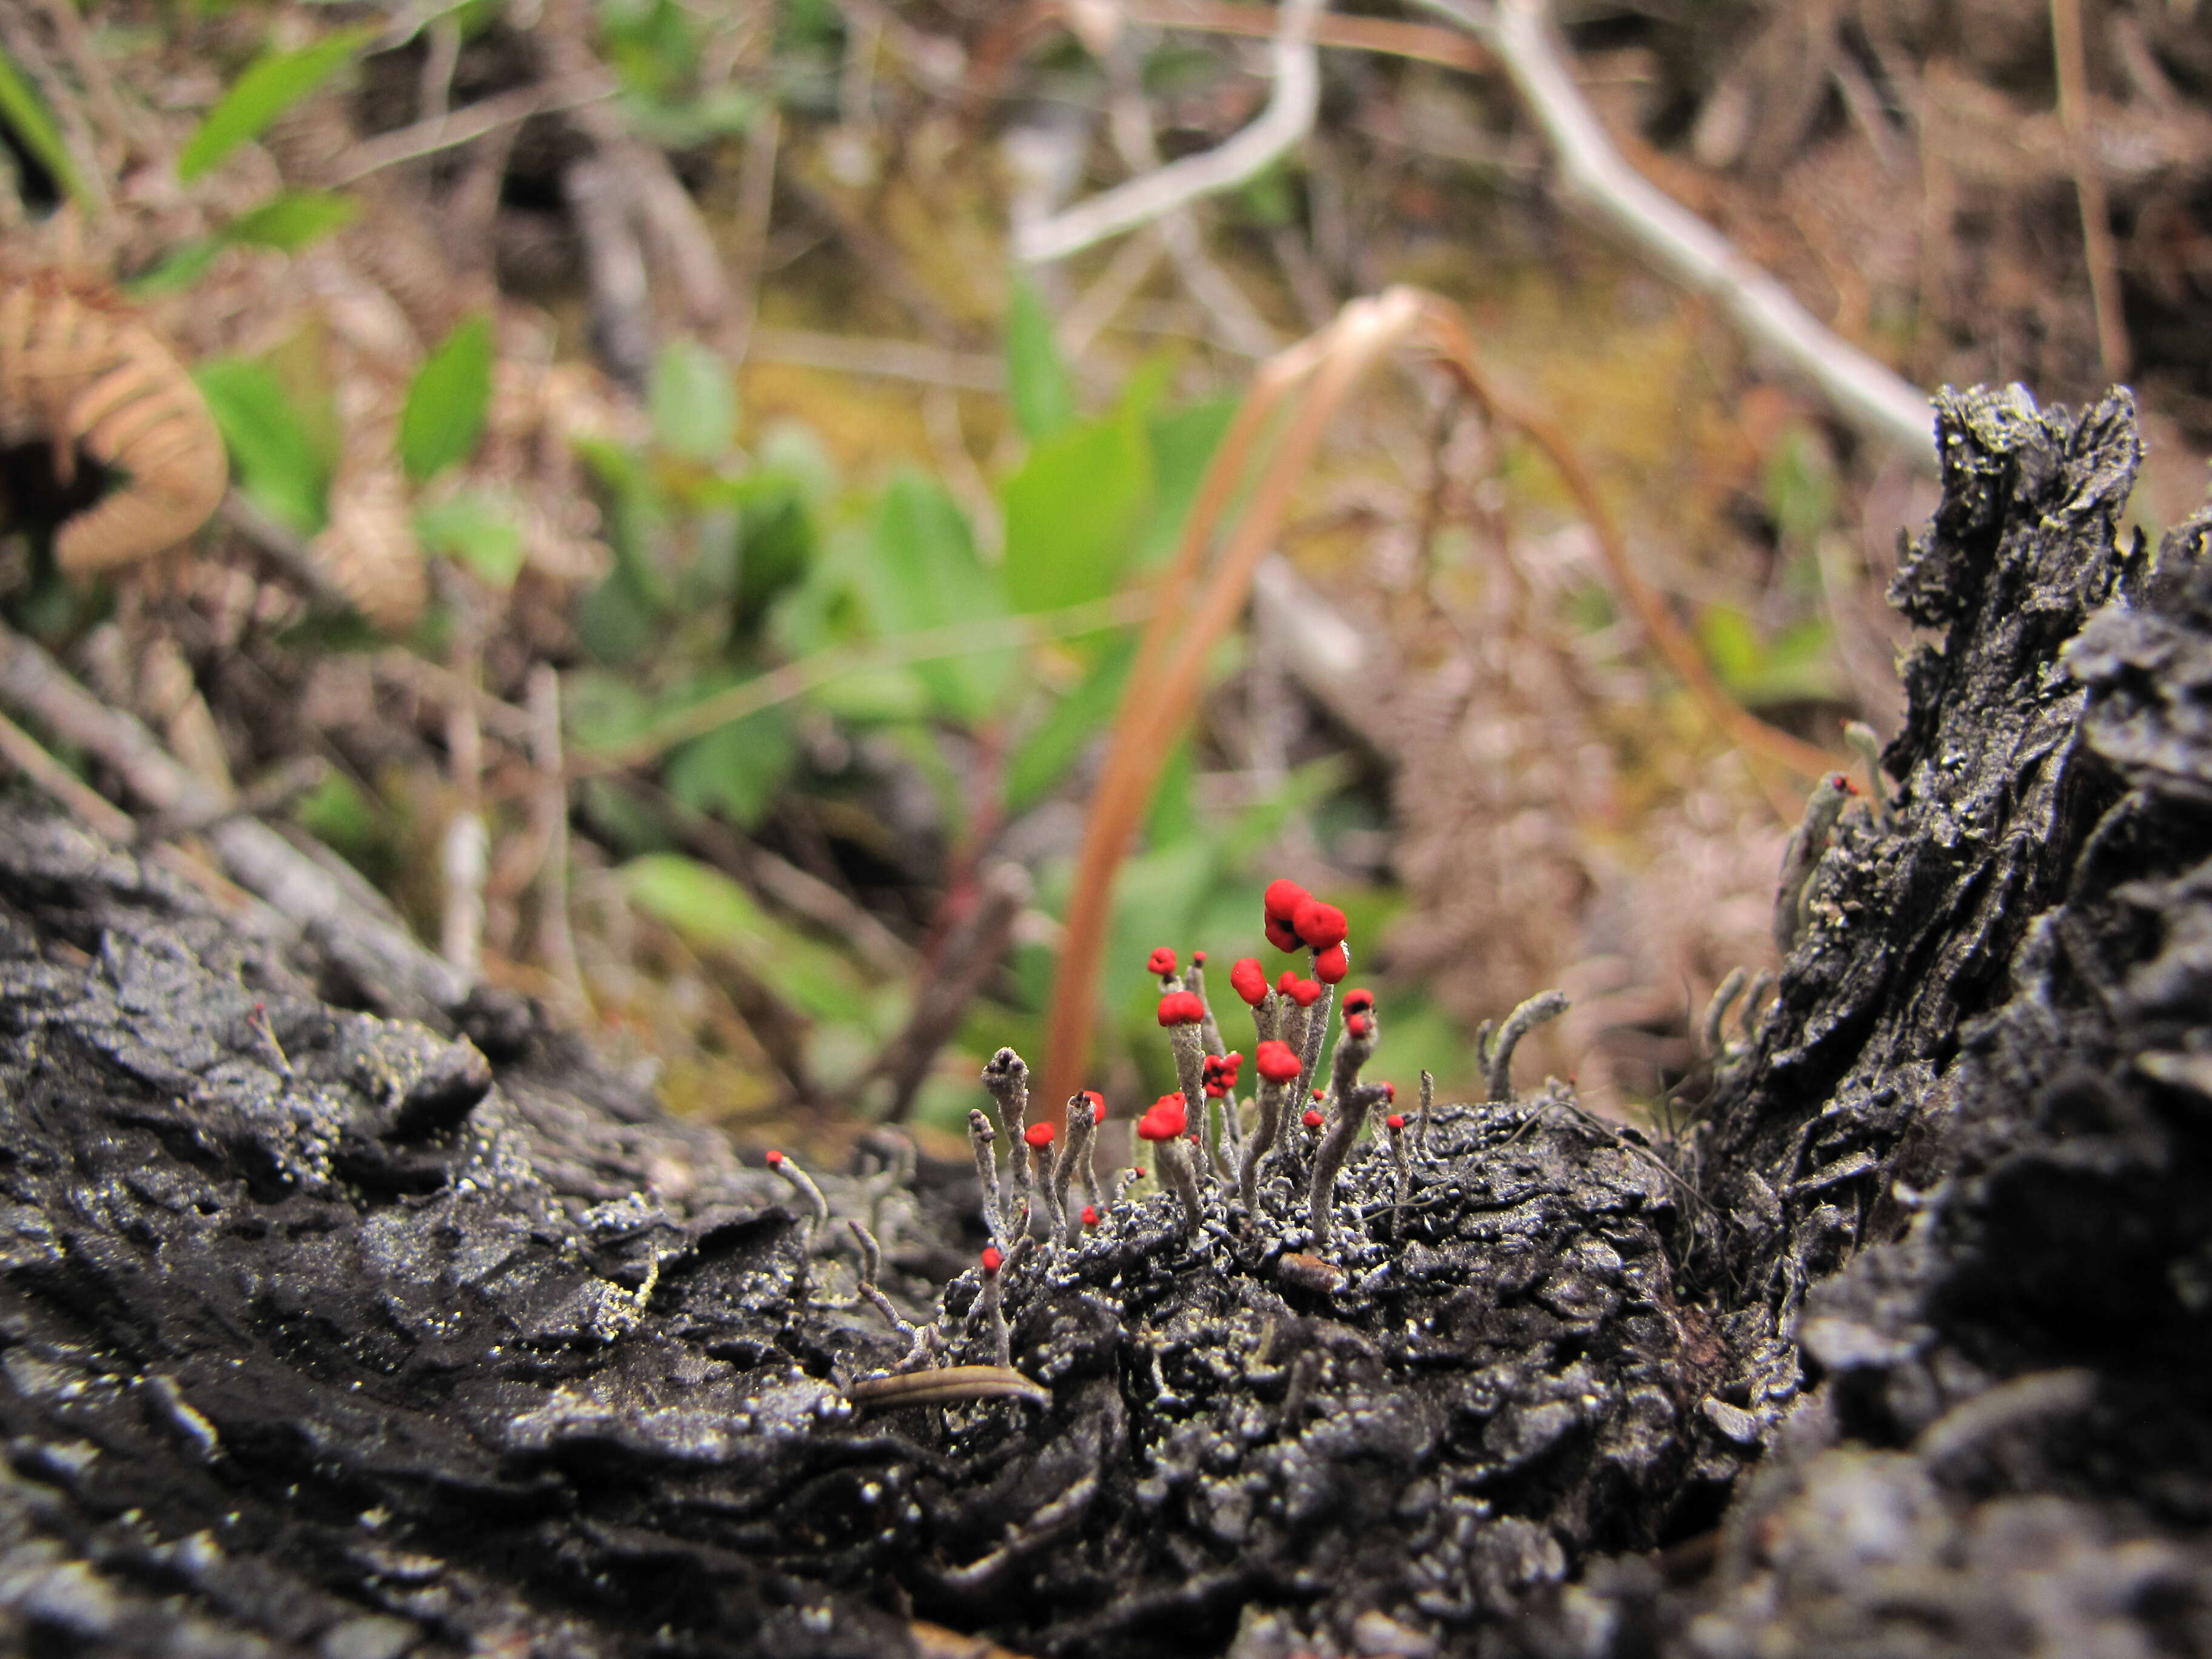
(1182, 1007)
(1358, 1005)
(1165, 1119)
(1296, 920)
(1221, 1071)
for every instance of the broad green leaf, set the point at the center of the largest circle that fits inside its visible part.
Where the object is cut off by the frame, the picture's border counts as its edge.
(271, 84)
(278, 463)
(1073, 512)
(1261, 824)
(698, 901)
(714, 913)
(1732, 645)
(1183, 443)
(924, 572)
(477, 529)
(735, 770)
(690, 122)
(1172, 817)
(447, 404)
(1801, 486)
(693, 401)
(26, 117)
(614, 624)
(873, 696)
(292, 221)
(1037, 383)
(1043, 756)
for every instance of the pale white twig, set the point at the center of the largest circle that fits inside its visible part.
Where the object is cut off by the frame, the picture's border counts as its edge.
(461, 126)
(1596, 177)
(889, 360)
(1130, 118)
(1287, 118)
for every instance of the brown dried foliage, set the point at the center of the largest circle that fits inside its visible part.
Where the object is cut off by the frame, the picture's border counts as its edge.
(80, 371)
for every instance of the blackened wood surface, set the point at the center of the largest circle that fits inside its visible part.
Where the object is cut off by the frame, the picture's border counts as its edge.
(332, 1335)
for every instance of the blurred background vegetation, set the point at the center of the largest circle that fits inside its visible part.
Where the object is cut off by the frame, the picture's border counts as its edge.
(708, 567)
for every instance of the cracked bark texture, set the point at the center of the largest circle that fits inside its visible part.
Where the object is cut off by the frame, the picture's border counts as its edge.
(323, 1333)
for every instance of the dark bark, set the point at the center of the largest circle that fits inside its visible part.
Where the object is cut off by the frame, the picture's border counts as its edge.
(323, 1333)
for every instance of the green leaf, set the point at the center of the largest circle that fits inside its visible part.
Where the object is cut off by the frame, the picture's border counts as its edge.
(1801, 486)
(714, 913)
(26, 117)
(1073, 511)
(271, 84)
(185, 265)
(447, 404)
(294, 220)
(1042, 757)
(693, 401)
(698, 901)
(1182, 443)
(277, 462)
(1037, 383)
(735, 770)
(478, 529)
(1171, 817)
(923, 573)
(1732, 645)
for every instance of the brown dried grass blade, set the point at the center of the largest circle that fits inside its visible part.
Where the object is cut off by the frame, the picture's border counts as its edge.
(947, 1386)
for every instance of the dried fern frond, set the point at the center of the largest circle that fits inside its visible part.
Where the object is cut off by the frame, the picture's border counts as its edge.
(78, 370)
(368, 549)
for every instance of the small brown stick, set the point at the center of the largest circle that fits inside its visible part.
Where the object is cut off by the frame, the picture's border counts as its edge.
(410, 981)
(1446, 335)
(949, 1385)
(755, 217)
(463, 126)
(2098, 250)
(556, 940)
(466, 853)
(273, 790)
(23, 751)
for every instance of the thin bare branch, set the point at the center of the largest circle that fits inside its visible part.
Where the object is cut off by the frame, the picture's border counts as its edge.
(2098, 248)
(1287, 118)
(1594, 177)
(462, 126)
(887, 360)
(548, 808)
(399, 976)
